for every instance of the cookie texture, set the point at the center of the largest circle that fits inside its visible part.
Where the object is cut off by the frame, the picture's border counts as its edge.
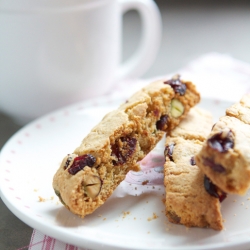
(90, 174)
(225, 156)
(188, 201)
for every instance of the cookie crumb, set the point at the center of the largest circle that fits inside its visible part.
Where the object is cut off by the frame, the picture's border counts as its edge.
(155, 216)
(41, 199)
(125, 214)
(145, 182)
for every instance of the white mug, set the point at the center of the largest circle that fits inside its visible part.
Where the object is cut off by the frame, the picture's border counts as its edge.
(57, 52)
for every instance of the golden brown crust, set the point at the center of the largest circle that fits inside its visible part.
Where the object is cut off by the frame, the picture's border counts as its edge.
(119, 141)
(187, 201)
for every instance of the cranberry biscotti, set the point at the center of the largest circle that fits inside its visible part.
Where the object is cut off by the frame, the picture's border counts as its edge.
(191, 199)
(89, 175)
(225, 156)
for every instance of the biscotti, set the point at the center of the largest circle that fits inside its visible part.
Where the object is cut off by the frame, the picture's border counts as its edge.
(89, 175)
(191, 199)
(225, 156)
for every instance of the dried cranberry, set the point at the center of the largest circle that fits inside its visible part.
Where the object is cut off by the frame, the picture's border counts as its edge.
(210, 187)
(122, 153)
(169, 149)
(80, 162)
(177, 85)
(156, 112)
(213, 189)
(174, 217)
(161, 124)
(192, 161)
(216, 167)
(222, 196)
(222, 141)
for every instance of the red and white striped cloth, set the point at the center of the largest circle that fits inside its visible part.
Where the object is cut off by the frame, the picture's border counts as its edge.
(40, 241)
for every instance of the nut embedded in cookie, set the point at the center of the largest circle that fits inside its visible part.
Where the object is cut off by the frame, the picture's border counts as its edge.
(177, 108)
(92, 185)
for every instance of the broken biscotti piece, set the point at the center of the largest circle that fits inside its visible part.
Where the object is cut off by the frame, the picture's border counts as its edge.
(225, 156)
(191, 198)
(88, 176)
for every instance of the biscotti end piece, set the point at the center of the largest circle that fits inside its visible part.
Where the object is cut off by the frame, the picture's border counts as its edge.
(189, 200)
(89, 175)
(225, 157)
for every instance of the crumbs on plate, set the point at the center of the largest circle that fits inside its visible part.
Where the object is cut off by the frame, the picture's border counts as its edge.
(155, 216)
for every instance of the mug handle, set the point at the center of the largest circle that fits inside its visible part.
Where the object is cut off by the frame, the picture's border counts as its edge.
(150, 42)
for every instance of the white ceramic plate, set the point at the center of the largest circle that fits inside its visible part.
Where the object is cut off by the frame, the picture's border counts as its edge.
(133, 218)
